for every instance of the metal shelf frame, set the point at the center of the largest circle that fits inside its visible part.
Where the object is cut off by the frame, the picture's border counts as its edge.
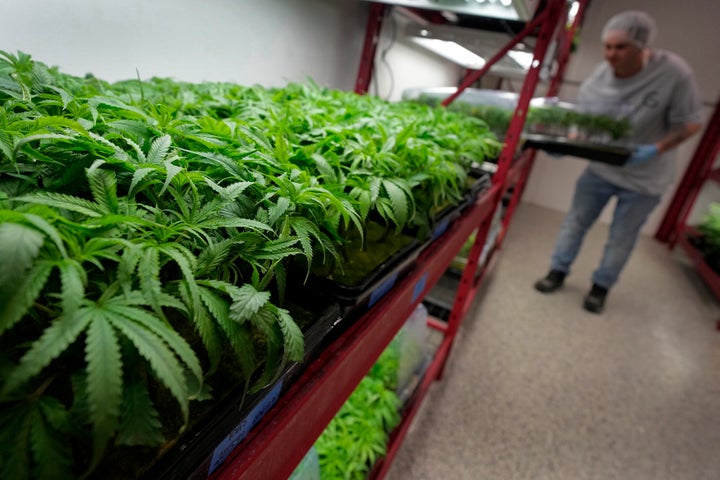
(700, 169)
(674, 229)
(282, 438)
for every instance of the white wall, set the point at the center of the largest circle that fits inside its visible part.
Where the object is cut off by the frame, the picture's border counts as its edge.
(688, 28)
(269, 42)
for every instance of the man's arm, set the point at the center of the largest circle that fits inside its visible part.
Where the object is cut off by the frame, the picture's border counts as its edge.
(677, 136)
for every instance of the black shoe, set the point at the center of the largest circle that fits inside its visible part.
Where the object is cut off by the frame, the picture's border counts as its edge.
(595, 299)
(552, 281)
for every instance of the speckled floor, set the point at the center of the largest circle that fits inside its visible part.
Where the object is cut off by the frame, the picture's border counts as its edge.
(537, 388)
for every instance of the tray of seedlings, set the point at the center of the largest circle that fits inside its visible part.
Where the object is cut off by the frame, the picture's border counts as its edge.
(368, 268)
(593, 133)
(149, 231)
(612, 154)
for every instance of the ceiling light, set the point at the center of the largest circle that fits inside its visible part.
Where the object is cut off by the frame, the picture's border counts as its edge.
(522, 10)
(452, 51)
(524, 59)
(573, 11)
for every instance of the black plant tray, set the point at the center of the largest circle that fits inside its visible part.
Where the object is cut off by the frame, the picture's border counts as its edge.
(445, 218)
(599, 152)
(482, 180)
(441, 223)
(203, 449)
(356, 298)
(327, 312)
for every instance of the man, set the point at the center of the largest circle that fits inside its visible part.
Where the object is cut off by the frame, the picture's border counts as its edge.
(659, 89)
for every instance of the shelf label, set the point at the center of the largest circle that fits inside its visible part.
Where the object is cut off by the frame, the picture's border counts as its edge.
(440, 228)
(243, 428)
(384, 287)
(419, 287)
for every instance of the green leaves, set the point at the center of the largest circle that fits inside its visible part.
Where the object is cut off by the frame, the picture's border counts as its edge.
(20, 246)
(17, 299)
(357, 437)
(148, 231)
(247, 302)
(709, 227)
(33, 440)
(140, 421)
(293, 337)
(54, 341)
(104, 380)
(251, 304)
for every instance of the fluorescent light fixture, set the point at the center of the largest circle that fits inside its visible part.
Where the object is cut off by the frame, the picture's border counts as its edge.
(505, 9)
(573, 11)
(470, 48)
(524, 59)
(452, 51)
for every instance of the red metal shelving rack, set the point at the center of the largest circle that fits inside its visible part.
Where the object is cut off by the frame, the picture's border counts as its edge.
(701, 169)
(301, 414)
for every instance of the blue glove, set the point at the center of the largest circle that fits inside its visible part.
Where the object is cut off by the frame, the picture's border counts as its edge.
(642, 154)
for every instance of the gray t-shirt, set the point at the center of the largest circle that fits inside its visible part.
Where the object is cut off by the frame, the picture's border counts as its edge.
(659, 98)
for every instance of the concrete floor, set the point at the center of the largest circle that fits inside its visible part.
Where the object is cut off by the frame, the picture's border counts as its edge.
(537, 388)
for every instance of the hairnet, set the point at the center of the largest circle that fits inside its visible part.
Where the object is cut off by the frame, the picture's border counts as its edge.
(639, 26)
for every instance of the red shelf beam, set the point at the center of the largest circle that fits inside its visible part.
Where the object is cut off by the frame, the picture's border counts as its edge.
(376, 15)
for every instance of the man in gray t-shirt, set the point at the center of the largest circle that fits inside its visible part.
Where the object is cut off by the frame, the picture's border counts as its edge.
(659, 95)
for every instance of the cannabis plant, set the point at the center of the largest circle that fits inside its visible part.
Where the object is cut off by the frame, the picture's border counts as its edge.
(149, 232)
(357, 437)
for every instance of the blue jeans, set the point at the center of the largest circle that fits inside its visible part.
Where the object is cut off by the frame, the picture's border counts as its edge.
(592, 193)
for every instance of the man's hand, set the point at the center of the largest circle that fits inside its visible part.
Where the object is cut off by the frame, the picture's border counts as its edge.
(642, 154)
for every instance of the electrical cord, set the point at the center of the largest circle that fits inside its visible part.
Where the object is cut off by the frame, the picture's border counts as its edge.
(383, 59)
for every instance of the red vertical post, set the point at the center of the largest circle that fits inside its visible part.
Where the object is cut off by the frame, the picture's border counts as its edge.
(566, 47)
(552, 14)
(563, 56)
(548, 22)
(372, 37)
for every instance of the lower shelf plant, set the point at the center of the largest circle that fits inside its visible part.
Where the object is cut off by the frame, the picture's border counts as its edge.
(357, 437)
